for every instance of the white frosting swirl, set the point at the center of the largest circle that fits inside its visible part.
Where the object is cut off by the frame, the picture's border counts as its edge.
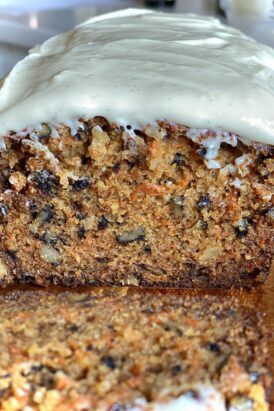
(137, 66)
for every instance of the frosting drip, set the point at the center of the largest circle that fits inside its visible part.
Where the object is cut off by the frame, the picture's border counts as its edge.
(137, 66)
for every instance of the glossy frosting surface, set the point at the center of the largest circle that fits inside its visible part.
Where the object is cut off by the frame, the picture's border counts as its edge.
(135, 67)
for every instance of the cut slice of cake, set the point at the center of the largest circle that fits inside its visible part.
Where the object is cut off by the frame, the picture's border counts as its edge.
(138, 149)
(119, 350)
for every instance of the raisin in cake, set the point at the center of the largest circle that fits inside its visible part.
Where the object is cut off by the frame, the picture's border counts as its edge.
(117, 350)
(137, 149)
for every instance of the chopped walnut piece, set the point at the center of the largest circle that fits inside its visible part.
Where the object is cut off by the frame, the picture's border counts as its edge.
(3, 269)
(18, 181)
(98, 147)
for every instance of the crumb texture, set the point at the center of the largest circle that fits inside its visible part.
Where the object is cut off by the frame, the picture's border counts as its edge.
(117, 206)
(117, 350)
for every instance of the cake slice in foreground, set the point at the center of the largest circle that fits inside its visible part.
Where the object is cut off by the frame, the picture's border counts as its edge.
(137, 149)
(117, 350)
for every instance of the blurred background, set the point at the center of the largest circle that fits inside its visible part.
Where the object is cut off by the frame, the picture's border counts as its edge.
(25, 23)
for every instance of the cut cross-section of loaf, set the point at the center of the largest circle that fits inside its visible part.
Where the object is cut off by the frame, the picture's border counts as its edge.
(106, 208)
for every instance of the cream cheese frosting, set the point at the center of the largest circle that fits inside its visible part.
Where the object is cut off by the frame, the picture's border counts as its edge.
(207, 399)
(137, 66)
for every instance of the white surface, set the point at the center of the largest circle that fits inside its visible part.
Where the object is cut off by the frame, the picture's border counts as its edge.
(253, 17)
(9, 56)
(25, 23)
(34, 22)
(30, 6)
(135, 67)
(260, 29)
(255, 7)
(26, 6)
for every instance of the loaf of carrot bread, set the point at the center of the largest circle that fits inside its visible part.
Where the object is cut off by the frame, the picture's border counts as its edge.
(118, 350)
(138, 149)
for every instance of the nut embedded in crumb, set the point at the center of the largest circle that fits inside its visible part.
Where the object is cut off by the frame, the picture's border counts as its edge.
(50, 254)
(132, 235)
(155, 132)
(210, 253)
(89, 223)
(18, 180)
(3, 269)
(100, 140)
(45, 131)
